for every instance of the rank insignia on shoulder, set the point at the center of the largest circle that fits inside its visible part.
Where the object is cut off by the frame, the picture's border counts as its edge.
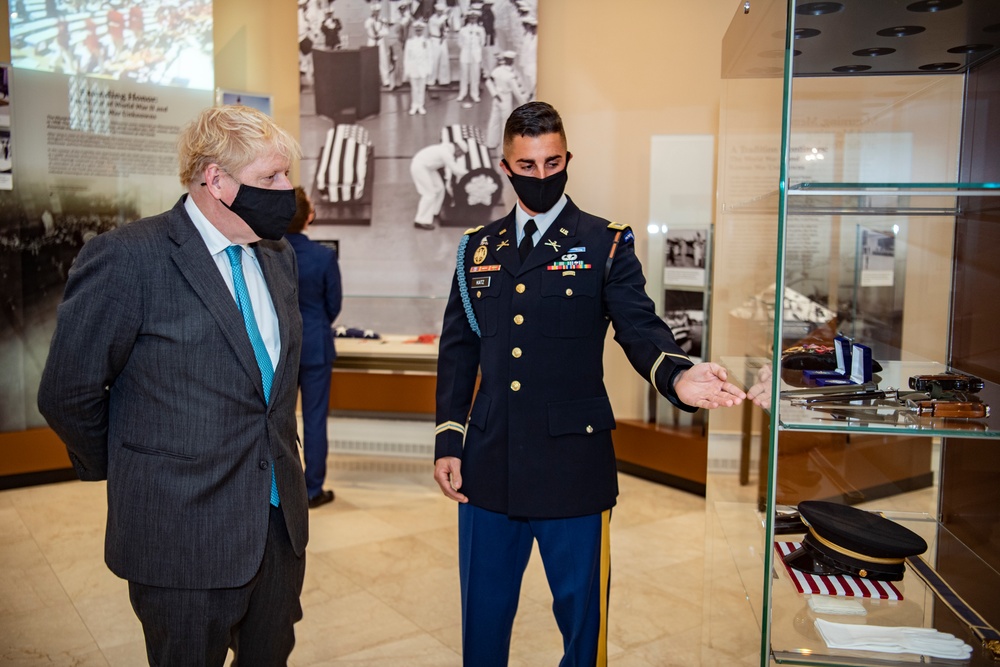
(617, 226)
(629, 236)
(473, 230)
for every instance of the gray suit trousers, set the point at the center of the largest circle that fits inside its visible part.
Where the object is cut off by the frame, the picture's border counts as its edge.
(197, 627)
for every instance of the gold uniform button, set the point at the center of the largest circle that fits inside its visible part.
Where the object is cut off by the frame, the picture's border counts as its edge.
(520, 288)
(590, 429)
(516, 352)
(515, 385)
(519, 319)
(569, 292)
(479, 295)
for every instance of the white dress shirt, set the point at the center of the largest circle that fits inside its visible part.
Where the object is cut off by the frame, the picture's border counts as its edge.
(260, 297)
(542, 220)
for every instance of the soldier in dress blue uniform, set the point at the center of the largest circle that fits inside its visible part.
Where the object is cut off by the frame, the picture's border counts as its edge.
(532, 458)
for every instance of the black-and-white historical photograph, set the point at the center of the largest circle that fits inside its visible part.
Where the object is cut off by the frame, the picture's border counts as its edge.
(6, 149)
(402, 110)
(878, 258)
(684, 313)
(685, 261)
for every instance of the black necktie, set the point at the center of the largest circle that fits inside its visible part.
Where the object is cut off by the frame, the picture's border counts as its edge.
(527, 243)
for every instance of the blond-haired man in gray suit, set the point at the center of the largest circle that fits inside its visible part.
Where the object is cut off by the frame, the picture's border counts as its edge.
(172, 374)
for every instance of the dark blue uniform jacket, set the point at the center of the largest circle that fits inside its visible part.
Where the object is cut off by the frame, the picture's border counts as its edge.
(537, 440)
(320, 298)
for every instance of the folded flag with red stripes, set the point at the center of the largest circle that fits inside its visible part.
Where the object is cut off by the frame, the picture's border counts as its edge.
(843, 585)
(343, 164)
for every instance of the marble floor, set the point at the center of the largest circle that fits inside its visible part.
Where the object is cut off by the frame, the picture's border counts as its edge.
(381, 583)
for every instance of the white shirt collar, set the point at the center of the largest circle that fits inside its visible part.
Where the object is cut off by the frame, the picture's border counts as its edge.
(542, 220)
(213, 238)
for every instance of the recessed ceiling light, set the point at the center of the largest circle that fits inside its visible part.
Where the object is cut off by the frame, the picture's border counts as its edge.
(819, 8)
(806, 33)
(933, 5)
(850, 69)
(901, 31)
(939, 67)
(879, 51)
(971, 48)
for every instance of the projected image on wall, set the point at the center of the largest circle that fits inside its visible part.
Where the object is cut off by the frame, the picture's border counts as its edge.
(168, 43)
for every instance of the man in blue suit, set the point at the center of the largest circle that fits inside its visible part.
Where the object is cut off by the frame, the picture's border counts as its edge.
(320, 297)
(529, 456)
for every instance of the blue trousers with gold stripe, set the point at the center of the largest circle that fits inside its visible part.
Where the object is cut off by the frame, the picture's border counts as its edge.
(493, 554)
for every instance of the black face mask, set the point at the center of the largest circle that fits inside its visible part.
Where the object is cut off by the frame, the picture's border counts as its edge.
(538, 194)
(267, 212)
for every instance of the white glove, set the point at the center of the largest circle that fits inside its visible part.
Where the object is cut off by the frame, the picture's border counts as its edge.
(922, 641)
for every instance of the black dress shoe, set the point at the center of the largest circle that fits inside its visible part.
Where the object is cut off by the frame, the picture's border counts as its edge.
(322, 498)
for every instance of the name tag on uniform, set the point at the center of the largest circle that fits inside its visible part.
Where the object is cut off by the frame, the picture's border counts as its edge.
(479, 282)
(484, 268)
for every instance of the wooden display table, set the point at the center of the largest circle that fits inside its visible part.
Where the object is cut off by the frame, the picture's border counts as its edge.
(391, 375)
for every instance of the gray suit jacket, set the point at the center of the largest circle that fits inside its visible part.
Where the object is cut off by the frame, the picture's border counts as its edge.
(152, 384)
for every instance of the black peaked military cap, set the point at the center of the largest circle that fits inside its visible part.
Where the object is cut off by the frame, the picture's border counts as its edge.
(846, 540)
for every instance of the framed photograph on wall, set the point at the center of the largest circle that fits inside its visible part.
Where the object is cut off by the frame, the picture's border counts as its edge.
(259, 101)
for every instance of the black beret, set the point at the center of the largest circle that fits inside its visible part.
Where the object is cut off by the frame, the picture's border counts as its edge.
(847, 540)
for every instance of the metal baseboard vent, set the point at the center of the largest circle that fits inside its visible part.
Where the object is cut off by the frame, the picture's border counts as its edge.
(723, 465)
(382, 437)
(424, 450)
(385, 465)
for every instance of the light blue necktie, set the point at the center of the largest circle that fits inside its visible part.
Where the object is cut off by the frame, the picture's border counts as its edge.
(235, 254)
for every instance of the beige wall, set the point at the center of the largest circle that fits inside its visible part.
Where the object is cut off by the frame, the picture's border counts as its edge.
(5, 34)
(256, 50)
(620, 73)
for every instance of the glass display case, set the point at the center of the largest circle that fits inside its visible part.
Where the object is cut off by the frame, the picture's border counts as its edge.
(857, 198)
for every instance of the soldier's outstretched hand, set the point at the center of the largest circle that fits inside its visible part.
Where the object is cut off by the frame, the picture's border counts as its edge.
(704, 385)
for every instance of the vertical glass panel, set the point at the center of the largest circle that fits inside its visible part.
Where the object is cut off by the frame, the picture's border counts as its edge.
(743, 305)
(678, 268)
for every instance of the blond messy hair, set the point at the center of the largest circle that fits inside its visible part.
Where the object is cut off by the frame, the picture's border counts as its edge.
(231, 136)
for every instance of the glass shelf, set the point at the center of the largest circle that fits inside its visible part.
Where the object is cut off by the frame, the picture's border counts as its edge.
(794, 639)
(894, 375)
(867, 199)
(953, 189)
(870, 199)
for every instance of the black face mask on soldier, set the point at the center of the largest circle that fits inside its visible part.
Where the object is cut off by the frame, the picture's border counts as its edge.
(538, 194)
(267, 212)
